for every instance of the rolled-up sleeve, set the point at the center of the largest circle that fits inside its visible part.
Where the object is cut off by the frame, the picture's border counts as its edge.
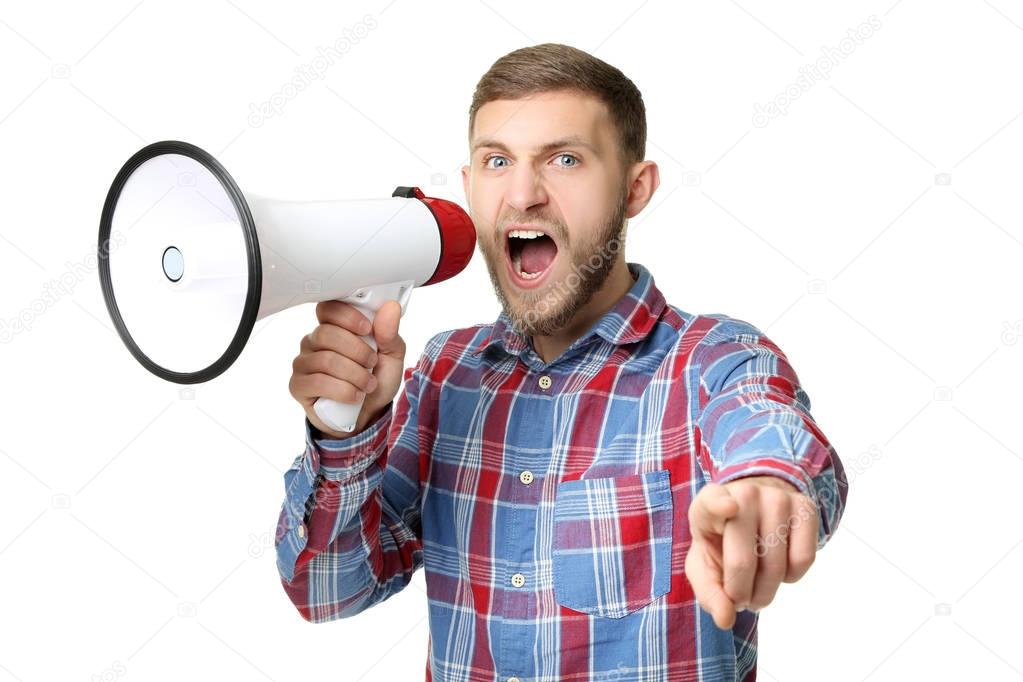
(349, 530)
(755, 420)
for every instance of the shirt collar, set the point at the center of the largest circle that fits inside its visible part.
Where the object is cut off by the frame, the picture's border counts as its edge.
(628, 321)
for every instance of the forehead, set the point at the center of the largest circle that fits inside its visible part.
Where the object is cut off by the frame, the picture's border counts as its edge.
(529, 122)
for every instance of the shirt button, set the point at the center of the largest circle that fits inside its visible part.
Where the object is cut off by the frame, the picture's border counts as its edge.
(518, 580)
(545, 382)
(513, 679)
(301, 531)
(526, 477)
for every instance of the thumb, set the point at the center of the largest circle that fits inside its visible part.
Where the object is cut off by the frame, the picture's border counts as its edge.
(390, 360)
(385, 331)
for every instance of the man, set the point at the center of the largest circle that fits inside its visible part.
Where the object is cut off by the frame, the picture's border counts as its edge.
(600, 485)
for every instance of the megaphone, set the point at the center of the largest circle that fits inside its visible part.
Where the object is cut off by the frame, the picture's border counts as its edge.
(188, 262)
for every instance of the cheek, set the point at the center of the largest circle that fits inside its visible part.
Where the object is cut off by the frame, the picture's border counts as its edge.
(485, 205)
(582, 204)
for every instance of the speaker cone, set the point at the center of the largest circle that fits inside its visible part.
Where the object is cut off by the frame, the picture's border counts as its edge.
(183, 285)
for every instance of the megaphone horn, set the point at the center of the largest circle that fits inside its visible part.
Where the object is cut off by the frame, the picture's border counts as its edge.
(198, 261)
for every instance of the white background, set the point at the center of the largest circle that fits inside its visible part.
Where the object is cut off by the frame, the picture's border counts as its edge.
(873, 231)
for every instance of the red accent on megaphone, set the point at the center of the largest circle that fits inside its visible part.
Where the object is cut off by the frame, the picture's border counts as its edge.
(458, 236)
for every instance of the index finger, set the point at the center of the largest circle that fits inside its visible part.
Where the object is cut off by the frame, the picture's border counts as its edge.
(343, 315)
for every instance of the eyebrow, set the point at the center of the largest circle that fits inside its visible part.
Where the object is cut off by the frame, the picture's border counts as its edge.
(569, 141)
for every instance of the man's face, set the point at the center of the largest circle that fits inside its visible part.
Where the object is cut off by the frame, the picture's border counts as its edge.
(525, 170)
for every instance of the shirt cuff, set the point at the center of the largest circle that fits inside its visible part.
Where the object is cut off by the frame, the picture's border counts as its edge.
(351, 455)
(767, 466)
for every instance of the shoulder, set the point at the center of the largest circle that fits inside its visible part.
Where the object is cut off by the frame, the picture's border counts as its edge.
(722, 328)
(699, 331)
(458, 341)
(732, 347)
(709, 337)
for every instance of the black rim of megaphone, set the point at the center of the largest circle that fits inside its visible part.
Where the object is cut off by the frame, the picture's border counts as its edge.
(252, 297)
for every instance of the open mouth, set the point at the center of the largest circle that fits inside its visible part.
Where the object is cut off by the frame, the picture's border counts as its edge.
(531, 254)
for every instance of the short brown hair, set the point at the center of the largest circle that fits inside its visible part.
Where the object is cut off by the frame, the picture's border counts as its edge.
(552, 66)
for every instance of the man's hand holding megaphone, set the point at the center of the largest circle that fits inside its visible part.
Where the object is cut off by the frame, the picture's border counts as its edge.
(334, 362)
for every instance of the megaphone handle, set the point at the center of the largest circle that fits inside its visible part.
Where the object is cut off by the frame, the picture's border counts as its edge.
(340, 416)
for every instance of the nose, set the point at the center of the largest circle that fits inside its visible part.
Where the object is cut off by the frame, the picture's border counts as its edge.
(526, 189)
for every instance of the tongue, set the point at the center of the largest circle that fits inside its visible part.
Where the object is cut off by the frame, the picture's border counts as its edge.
(538, 254)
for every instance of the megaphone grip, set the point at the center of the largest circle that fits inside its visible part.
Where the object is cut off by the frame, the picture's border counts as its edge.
(340, 416)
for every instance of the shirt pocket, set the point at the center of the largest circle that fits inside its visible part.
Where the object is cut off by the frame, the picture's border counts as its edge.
(612, 542)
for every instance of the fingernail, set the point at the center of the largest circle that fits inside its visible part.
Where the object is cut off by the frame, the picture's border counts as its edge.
(372, 384)
(366, 327)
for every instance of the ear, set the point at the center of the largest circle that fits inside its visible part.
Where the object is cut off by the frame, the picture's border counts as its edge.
(646, 178)
(465, 185)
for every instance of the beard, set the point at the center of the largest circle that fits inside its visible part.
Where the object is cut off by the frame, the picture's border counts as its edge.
(549, 308)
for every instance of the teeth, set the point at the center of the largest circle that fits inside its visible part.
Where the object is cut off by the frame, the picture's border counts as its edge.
(525, 234)
(524, 275)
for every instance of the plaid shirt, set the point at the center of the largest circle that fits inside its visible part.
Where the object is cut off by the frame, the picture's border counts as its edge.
(548, 501)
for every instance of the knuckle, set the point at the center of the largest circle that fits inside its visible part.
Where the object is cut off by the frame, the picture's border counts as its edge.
(327, 337)
(316, 335)
(317, 384)
(323, 310)
(324, 363)
(326, 387)
(328, 308)
(745, 493)
(802, 562)
(345, 391)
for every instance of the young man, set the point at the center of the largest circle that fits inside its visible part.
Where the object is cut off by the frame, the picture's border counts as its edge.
(600, 485)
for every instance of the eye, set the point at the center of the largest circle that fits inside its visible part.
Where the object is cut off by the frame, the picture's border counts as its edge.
(486, 160)
(575, 160)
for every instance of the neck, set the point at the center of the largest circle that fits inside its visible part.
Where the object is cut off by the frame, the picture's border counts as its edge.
(617, 284)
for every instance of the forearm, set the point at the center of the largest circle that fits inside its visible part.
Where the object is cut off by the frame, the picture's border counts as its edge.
(348, 532)
(756, 421)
